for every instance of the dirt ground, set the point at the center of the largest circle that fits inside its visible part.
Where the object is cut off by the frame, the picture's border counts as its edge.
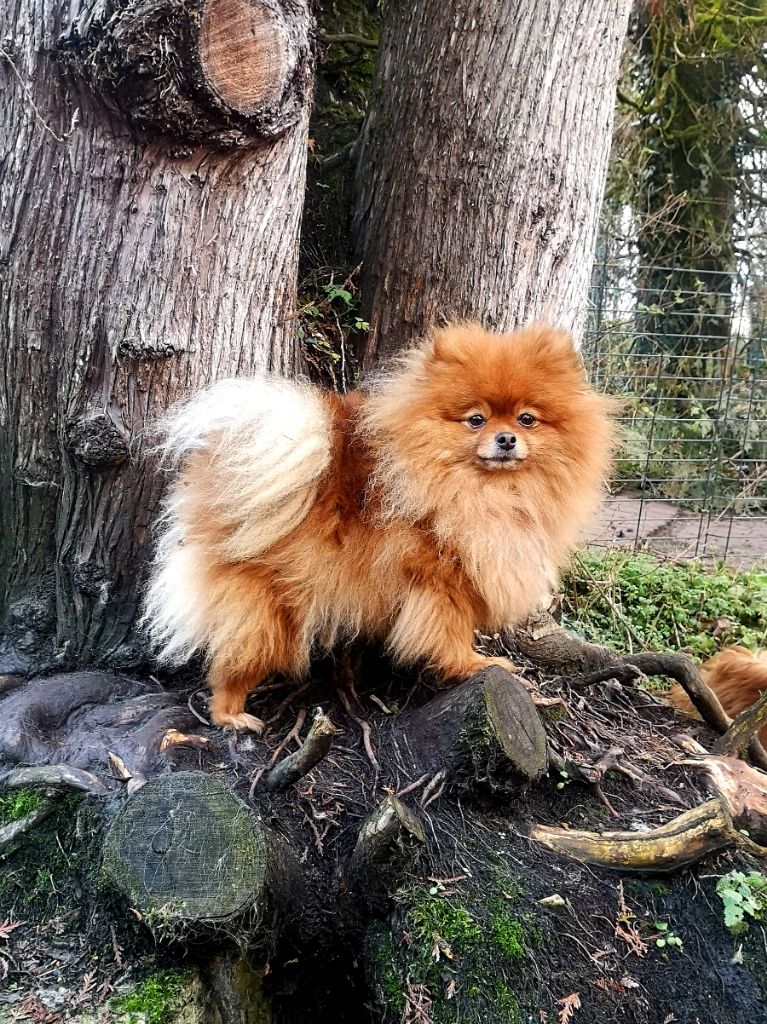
(656, 525)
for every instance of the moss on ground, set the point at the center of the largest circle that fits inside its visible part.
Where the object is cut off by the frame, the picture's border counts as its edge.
(18, 804)
(464, 953)
(40, 873)
(156, 999)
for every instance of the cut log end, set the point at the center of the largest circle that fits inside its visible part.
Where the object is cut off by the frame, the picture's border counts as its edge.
(245, 53)
(185, 849)
(515, 722)
(485, 733)
(223, 72)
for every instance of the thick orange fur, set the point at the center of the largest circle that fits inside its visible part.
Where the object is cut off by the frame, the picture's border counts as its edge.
(736, 675)
(407, 534)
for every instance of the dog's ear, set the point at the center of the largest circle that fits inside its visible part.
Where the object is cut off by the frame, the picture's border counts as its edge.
(553, 340)
(453, 343)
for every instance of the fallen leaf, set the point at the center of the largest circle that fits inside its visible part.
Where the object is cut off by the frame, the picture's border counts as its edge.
(7, 926)
(620, 986)
(569, 1005)
(555, 900)
(450, 990)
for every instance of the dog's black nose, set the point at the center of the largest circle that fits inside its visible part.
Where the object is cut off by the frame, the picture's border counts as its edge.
(505, 441)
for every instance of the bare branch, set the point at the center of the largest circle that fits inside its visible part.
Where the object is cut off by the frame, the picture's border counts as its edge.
(349, 38)
(311, 752)
(681, 841)
(745, 725)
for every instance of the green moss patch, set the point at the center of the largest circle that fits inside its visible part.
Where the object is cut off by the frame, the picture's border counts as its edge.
(40, 871)
(156, 999)
(467, 953)
(18, 804)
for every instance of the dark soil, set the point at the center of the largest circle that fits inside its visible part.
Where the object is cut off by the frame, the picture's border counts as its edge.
(467, 938)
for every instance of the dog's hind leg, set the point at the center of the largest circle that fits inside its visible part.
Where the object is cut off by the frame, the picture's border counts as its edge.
(260, 642)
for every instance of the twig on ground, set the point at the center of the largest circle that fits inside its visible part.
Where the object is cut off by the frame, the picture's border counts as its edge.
(300, 762)
(412, 786)
(294, 734)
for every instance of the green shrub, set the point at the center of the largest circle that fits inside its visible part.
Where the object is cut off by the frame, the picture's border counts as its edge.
(632, 601)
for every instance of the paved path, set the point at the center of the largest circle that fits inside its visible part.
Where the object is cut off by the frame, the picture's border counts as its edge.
(660, 526)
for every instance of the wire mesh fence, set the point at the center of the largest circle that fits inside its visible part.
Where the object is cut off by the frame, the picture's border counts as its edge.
(686, 349)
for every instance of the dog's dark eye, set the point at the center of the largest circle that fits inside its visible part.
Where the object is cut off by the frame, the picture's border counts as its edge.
(476, 421)
(526, 419)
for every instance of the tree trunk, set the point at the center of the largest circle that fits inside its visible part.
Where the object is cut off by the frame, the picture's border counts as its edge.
(482, 163)
(151, 202)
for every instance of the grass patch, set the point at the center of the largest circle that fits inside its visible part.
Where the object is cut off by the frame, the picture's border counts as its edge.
(627, 601)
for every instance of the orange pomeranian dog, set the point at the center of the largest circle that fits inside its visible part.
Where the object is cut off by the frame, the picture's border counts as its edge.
(445, 498)
(736, 675)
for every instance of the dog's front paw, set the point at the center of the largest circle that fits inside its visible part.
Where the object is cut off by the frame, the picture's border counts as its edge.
(240, 722)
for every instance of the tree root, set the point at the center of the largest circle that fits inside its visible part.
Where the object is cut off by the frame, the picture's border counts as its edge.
(680, 842)
(736, 816)
(550, 645)
(9, 833)
(54, 776)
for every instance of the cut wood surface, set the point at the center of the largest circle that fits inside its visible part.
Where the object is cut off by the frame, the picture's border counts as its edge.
(485, 731)
(184, 850)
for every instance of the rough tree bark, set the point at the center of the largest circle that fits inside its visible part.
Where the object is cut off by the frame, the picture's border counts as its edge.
(164, 174)
(150, 201)
(482, 163)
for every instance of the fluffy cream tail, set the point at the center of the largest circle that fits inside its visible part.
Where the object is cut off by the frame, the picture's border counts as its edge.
(251, 453)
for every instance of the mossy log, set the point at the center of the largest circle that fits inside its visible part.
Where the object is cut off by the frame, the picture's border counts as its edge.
(191, 857)
(485, 732)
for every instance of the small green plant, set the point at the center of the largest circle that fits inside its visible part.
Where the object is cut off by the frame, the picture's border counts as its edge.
(743, 896)
(666, 937)
(628, 601)
(564, 780)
